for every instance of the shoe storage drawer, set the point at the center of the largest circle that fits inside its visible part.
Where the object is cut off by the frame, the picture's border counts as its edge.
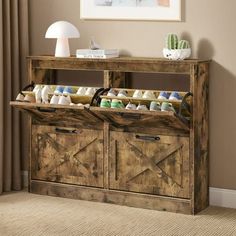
(67, 155)
(153, 164)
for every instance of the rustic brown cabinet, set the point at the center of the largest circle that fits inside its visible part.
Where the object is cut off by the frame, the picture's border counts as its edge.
(153, 164)
(73, 156)
(155, 160)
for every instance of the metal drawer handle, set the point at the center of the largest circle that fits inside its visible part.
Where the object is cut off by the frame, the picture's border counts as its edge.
(149, 138)
(66, 131)
(50, 110)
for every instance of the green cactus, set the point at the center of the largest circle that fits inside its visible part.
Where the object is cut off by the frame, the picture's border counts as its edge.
(172, 41)
(183, 44)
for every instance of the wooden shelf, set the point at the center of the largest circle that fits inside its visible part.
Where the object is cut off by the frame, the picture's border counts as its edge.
(126, 64)
(150, 159)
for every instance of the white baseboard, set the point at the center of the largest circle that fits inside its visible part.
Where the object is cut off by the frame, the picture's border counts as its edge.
(222, 197)
(24, 178)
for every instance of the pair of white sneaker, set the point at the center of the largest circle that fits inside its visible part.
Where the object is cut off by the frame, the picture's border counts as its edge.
(25, 98)
(140, 107)
(42, 92)
(146, 95)
(82, 91)
(60, 99)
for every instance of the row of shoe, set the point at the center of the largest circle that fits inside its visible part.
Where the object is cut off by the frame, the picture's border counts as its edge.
(154, 105)
(82, 91)
(41, 93)
(64, 100)
(25, 98)
(173, 96)
(55, 99)
(60, 99)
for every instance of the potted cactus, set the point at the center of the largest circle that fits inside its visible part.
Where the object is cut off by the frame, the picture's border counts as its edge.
(176, 49)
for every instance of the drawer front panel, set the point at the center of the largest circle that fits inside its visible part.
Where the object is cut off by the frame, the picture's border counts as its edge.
(67, 155)
(60, 115)
(121, 118)
(149, 164)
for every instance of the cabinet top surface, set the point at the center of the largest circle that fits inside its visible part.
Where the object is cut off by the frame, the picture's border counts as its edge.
(125, 64)
(119, 59)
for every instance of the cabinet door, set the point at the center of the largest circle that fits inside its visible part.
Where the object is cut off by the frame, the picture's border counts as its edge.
(67, 155)
(149, 164)
(60, 115)
(122, 118)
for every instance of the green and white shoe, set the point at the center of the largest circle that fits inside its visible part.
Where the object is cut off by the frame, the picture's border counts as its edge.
(167, 106)
(105, 103)
(117, 103)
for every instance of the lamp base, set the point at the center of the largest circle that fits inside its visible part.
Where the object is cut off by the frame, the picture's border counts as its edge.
(62, 48)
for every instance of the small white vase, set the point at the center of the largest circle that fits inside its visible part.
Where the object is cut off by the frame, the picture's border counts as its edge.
(177, 54)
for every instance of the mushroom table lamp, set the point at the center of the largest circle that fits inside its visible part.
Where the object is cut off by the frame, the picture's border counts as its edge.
(62, 31)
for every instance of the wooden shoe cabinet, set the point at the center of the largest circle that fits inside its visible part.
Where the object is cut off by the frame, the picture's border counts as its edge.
(154, 160)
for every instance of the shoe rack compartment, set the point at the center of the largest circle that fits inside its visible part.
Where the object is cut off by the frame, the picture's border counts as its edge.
(122, 118)
(118, 118)
(154, 164)
(62, 115)
(142, 158)
(75, 98)
(130, 98)
(67, 155)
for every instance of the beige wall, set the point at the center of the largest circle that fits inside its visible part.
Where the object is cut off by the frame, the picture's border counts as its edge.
(210, 27)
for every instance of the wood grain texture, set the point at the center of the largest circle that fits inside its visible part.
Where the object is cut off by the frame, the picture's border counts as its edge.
(152, 164)
(106, 155)
(124, 64)
(141, 119)
(72, 156)
(60, 115)
(154, 160)
(201, 139)
(110, 196)
(95, 116)
(115, 79)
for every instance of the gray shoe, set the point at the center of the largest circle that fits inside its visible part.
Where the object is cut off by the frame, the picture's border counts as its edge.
(131, 106)
(111, 93)
(122, 93)
(167, 106)
(142, 107)
(155, 106)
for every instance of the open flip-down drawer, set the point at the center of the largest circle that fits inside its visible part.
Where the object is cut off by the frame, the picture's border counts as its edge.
(142, 119)
(60, 115)
(93, 117)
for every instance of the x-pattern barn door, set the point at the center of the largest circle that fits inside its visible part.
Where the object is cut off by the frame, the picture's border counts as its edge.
(149, 164)
(75, 158)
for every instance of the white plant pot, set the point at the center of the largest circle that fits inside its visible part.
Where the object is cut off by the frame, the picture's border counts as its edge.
(176, 54)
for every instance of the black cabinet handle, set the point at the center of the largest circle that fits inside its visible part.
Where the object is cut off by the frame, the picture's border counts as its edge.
(184, 104)
(50, 110)
(32, 85)
(130, 116)
(66, 131)
(149, 138)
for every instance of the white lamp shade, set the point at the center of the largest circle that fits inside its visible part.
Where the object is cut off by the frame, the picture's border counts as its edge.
(62, 29)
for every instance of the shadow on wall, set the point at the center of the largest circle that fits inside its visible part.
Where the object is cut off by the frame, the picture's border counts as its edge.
(205, 49)
(222, 127)
(222, 104)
